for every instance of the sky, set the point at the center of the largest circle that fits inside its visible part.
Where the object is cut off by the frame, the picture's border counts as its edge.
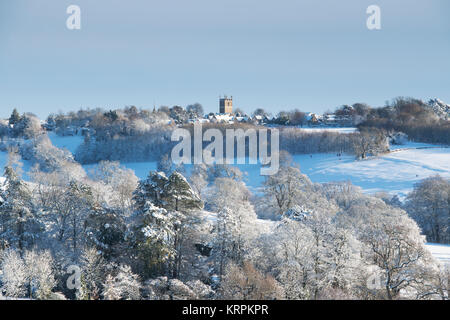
(314, 55)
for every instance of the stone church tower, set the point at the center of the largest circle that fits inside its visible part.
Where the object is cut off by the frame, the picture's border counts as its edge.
(226, 105)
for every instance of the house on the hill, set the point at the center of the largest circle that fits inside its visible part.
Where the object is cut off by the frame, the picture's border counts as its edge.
(221, 118)
(313, 119)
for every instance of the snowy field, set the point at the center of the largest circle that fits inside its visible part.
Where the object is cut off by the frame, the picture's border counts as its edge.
(396, 172)
(70, 143)
(440, 252)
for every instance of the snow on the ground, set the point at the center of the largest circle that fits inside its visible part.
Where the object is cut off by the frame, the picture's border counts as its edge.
(322, 129)
(412, 145)
(70, 143)
(263, 225)
(396, 172)
(440, 251)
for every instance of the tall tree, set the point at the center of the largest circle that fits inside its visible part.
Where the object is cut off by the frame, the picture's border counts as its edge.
(284, 189)
(179, 200)
(15, 117)
(235, 224)
(429, 205)
(19, 226)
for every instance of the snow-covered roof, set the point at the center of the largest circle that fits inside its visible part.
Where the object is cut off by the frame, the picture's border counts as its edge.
(240, 119)
(223, 117)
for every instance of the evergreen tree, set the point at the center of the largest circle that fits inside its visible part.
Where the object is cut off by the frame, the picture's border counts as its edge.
(105, 230)
(151, 189)
(163, 218)
(154, 238)
(173, 193)
(179, 195)
(182, 200)
(19, 227)
(15, 117)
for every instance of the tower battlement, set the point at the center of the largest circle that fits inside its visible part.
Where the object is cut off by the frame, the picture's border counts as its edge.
(226, 105)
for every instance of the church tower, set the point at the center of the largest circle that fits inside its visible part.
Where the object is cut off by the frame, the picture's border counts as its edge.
(226, 105)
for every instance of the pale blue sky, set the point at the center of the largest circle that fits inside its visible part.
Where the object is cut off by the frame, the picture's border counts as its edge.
(313, 55)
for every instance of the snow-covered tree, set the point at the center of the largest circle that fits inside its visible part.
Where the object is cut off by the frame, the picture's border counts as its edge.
(163, 288)
(396, 246)
(392, 242)
(14, 274)
(111, 291)
(179, 195)
(93, 268)
(19, 225)
(40, 274)
(224, 171)
(120, 183)
(283, 189)
(151, 189)
(78, 204)
(195, 110)
(173, 200)
(309, 255)
(124, 286)
(370, 141)
(247, 283)
(27, 126)
(15, 117)
(31, 276)
(105, 230)
(154, 234)
(429, 205)
(235, 225)
(199, 178)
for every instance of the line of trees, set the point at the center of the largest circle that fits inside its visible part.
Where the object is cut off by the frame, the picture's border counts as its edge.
(412, 117)
(155, 143)
(429, 205)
